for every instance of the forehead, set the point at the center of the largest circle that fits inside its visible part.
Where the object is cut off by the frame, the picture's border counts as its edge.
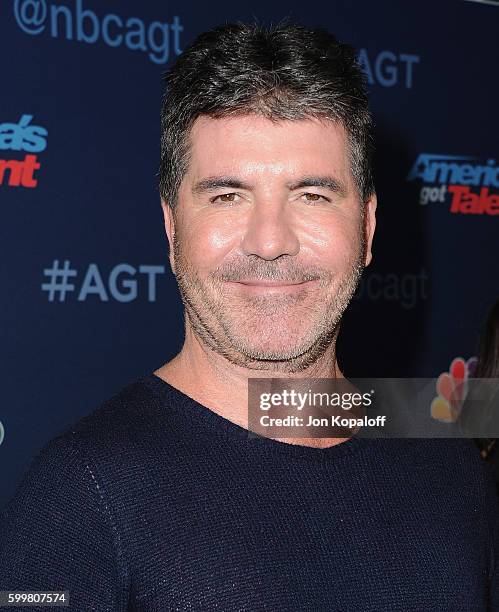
(253, 143)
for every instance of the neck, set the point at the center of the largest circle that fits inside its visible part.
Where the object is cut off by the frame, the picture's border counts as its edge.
(222, 386)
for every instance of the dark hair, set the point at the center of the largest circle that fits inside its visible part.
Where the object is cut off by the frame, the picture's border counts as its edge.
(488, 348)
(487, 366)
(281, 72)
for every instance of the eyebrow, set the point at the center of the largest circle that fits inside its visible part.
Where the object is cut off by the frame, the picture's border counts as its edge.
(217, 182)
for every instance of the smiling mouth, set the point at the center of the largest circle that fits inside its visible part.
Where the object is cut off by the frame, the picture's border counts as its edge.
(273, 286)
(269, 282)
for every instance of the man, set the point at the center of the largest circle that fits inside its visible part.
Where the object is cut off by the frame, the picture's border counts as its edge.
(159, 499)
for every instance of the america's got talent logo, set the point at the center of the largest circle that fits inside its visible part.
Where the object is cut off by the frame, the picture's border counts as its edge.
(466, 184)
(23, 136)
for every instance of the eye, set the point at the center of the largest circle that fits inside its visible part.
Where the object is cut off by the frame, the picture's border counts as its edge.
(227, 198)
(314, 197)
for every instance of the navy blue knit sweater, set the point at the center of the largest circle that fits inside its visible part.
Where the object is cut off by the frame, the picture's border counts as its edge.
(154, 502)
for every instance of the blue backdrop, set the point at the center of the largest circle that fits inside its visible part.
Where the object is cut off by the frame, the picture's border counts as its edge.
(88, 299)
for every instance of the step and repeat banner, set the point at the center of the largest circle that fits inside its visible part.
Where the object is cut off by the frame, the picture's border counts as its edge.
(89, 303)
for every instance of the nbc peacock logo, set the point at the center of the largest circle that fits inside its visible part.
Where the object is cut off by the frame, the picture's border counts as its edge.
(452, 388)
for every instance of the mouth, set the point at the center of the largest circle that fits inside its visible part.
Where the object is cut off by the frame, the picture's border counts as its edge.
(273, 286)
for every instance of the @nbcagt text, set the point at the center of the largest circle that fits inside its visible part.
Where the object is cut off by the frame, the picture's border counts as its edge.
(297, 400)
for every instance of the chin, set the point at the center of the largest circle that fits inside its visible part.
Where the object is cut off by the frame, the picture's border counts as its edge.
(274, 351)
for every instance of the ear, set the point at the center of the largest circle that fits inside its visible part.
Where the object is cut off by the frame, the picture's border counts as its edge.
(370, 225)
(169, 218)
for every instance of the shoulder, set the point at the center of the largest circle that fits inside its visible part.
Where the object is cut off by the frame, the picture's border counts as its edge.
(87, 467)
(124, 422)
(108, 443)
(433, 451)
(62, 526)
(119, 425)
(446, 464)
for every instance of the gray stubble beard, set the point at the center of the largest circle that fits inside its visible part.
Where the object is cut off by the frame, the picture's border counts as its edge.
(191, 290)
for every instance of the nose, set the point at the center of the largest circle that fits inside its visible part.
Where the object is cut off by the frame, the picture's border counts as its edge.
(269, 232)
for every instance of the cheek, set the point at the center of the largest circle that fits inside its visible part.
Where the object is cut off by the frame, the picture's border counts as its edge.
(208, 241)
(335, 241)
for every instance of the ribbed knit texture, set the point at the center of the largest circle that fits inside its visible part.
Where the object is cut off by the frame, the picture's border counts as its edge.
(154, 502)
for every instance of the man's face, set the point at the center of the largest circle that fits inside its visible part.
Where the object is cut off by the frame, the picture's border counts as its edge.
(269, 238)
